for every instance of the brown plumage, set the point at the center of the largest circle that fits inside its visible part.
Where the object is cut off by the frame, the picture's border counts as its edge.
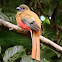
(29, 20)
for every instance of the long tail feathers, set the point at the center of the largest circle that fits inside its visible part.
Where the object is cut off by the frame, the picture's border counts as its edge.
(36, 47)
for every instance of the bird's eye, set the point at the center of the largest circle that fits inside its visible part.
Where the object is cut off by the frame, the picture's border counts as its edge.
(23, 8)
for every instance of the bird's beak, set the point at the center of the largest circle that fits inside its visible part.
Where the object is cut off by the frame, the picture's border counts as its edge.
(18, 8)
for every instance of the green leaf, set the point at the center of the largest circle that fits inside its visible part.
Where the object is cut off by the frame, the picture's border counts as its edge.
(13, 53)
(48, 32)
(47, 53)
(8, 39)
(27, 59)
(11, 17)
(56, 59)
(3, 16)
(46, 24)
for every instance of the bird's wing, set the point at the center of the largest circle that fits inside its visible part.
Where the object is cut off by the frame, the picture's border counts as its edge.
(31, 23)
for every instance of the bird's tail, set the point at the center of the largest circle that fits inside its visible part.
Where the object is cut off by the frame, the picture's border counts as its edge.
(36, 46)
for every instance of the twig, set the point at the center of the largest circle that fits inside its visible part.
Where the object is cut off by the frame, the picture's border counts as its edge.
(19, 30)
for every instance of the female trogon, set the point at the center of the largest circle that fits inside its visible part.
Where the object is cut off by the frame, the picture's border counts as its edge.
(30, 21)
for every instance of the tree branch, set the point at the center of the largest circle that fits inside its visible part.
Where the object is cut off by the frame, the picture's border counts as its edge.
(19, 30)
(12, 27)
(51, 44)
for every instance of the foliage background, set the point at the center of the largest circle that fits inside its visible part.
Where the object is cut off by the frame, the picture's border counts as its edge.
(17, 48)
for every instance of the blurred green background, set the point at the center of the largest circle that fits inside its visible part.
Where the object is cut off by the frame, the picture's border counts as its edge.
(17, 48)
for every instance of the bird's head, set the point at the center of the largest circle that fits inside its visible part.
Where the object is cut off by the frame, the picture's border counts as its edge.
(22, 7)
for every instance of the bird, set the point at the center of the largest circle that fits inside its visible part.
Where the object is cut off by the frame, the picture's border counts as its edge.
(30, 21)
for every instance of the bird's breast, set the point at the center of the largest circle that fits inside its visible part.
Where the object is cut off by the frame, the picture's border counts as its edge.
(22, 25)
